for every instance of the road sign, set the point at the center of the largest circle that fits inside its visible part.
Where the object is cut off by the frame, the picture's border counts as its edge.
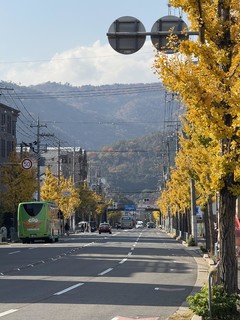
(130, 207)
(26, 164)
(163, 27)
(126, 35)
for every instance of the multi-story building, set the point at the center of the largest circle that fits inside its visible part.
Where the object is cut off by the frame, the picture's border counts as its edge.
(8, 140)
(70, 162)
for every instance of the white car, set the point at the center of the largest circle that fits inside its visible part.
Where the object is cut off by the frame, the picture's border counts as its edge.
(139, 224)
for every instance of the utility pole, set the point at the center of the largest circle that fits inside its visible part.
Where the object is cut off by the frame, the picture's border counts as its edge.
(38, 152)
(38, 155)
(73, 165)
(58, 161)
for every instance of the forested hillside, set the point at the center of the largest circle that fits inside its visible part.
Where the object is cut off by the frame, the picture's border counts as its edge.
(134, 168)
(89, 117)
(123, 128)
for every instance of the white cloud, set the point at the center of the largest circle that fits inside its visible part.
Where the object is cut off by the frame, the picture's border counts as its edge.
(95, 65)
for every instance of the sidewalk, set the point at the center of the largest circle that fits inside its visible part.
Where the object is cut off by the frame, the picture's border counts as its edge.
(204, 264)
(202, 278)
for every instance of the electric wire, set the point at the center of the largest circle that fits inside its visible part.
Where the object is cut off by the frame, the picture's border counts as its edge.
(89, 93)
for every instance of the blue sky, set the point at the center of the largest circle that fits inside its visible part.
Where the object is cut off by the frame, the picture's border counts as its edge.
(65, 41)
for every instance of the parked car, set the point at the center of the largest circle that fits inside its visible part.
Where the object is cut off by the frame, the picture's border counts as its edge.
(104, 227)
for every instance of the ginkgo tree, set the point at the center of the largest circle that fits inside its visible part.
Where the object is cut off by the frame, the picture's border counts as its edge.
(50, 188)
(69, 198)
(206, 74)
(91, 203)
(197, 159)
(62, 192)
(19, 185)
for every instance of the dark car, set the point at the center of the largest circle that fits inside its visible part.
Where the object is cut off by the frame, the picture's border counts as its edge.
(150, 225)
(93, 226)
(104, 227)
(117, 225)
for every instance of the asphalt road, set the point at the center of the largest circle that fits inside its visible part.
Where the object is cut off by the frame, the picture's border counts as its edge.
(130, 273)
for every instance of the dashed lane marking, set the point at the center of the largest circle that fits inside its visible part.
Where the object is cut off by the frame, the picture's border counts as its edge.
(13, 252)
(125, 318)
(122, 261)
(68, 289)
(106, 271)
(8, 312)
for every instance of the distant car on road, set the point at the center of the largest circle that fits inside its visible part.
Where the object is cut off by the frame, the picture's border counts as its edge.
(150, 225)
(104, 227)
(81, 226)
(117, 225)
(139, 224)
(93, 226)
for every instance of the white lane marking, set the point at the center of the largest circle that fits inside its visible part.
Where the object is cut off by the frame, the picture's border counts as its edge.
(129, 253)
(13, 252)
(132, 249)
(106, 271)
(8, 312)
(88, 244)
(68, 289)
(169, 289)
(123, 260)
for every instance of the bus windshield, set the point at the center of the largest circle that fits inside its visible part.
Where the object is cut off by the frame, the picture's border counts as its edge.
(32, 208)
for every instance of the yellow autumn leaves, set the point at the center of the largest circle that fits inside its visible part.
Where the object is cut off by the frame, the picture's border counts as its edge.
(205, 73)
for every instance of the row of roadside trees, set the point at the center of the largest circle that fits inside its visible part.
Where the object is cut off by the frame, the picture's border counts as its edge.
(19, 185)
(206, 75)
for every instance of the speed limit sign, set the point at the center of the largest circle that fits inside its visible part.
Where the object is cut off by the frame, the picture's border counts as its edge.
(26, 164)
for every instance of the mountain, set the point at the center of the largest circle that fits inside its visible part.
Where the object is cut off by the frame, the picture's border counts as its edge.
(135, 167)
(123, 128)
(87, 116)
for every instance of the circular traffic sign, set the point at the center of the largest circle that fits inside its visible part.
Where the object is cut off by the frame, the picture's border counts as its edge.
(162, 29)
(126, 35)
(26, 164)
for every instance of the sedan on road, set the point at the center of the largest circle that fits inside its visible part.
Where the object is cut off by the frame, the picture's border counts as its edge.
(104, 227)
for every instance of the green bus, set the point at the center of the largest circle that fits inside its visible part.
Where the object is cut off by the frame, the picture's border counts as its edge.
(39, 220)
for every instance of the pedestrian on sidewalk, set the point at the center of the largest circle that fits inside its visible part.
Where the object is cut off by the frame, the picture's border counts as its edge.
(67, 228)
(4, 233)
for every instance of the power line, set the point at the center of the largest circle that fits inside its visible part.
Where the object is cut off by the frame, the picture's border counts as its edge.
(89, 93)
(66, 59)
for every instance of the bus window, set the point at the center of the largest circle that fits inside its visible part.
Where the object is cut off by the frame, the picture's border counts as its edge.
(33, 208)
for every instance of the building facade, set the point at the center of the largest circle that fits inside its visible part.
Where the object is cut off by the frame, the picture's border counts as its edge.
(70, 162)
(8, 140)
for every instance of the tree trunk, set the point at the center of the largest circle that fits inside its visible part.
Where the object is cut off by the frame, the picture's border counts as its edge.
(228, 260)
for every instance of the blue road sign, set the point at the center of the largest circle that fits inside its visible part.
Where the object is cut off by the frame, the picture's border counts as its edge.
(130, 207)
